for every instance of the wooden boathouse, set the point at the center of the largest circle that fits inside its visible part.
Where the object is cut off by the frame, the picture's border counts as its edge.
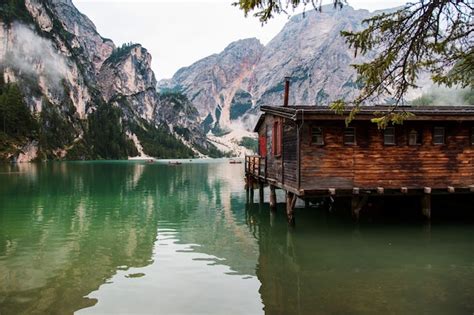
(309, 152)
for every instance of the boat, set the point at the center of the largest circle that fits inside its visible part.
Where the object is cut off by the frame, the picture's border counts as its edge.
(174, 163)
(235, 162)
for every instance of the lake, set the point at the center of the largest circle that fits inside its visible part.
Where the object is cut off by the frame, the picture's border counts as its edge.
(131, 237)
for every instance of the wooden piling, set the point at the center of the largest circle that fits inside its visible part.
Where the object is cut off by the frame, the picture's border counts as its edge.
(260, 192)
(357, 203)
(290, 206)
(250, 190)
(426, 205)
(273, 199)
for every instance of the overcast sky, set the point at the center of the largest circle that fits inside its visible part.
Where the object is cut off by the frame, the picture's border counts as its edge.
(180, 32)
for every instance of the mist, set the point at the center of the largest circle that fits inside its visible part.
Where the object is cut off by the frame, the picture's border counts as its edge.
(35, 57)
(438, 96)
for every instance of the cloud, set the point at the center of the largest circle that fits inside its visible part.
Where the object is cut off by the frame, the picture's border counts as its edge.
(439, 96)
(35, 56)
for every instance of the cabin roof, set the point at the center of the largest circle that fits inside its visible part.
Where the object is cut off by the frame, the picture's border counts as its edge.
(435, 113)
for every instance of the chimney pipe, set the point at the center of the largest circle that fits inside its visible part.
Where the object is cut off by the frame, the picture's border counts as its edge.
(287, 91)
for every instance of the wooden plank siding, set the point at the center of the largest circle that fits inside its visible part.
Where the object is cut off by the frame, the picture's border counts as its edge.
(282, 169)
(328, 165)
(273, 163)
(307, 168)
(370, 163)
(289, 155)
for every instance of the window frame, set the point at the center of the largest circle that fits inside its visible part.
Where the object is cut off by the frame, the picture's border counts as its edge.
(472, 136)
(419, 137)
(321, 135)
(346, 129)
(277, 137)
(385, 136)
(435, 135)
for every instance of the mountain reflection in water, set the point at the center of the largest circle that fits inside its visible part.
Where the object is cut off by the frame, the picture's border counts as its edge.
(131, 237)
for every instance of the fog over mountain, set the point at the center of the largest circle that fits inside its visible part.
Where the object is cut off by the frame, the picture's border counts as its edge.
(101, 98)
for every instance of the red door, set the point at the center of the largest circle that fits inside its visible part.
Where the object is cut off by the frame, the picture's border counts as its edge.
(262, 145)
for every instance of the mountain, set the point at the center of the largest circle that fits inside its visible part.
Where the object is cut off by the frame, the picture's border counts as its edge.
(212, 82)
(86, 98)
(228, 88)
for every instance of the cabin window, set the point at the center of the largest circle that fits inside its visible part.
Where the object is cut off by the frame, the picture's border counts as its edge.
(472, 136)
(389, 136)
(350, 135)
(317, 136)
(414, 137)
(276, 145)
(439, 135)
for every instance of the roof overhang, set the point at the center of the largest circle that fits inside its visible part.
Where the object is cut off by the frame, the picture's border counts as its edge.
(435, 113)
(259, 122)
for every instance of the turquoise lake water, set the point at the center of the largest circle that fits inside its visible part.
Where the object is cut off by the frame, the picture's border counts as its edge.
(138, 238)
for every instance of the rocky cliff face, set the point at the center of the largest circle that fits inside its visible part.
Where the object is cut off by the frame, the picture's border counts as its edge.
(312, 52)
(127, 74)
(58, 58)
(212, 83)
(229, 87)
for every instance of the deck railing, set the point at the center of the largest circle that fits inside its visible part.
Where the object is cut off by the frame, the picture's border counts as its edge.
(256, 165)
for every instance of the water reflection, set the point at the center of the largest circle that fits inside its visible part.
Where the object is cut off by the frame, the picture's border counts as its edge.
(324, 266)
(62, 236)
(122, 237)
(69, 228)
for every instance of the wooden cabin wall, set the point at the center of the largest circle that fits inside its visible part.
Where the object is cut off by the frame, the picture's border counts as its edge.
(274, 166)
(328, 165)
(289, 154)
(370, 163)
(283, 168)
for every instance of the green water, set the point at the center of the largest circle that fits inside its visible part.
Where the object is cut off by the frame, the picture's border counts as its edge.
(131, 237)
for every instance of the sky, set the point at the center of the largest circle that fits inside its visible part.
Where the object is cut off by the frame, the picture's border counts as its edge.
(179, 32)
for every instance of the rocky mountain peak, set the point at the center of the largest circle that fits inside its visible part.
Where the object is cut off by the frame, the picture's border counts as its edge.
(127, 71)
(228, 88)
(212, 82)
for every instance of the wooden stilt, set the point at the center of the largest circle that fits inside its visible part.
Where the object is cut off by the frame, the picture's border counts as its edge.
(250, 184)
(260, 192)
(426, 205)
(247, 189)
(273, 199)
(306, 203)
(290, 207)
(358, 202)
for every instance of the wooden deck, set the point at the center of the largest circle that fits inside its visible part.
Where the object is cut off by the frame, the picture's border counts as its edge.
(256, 172)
